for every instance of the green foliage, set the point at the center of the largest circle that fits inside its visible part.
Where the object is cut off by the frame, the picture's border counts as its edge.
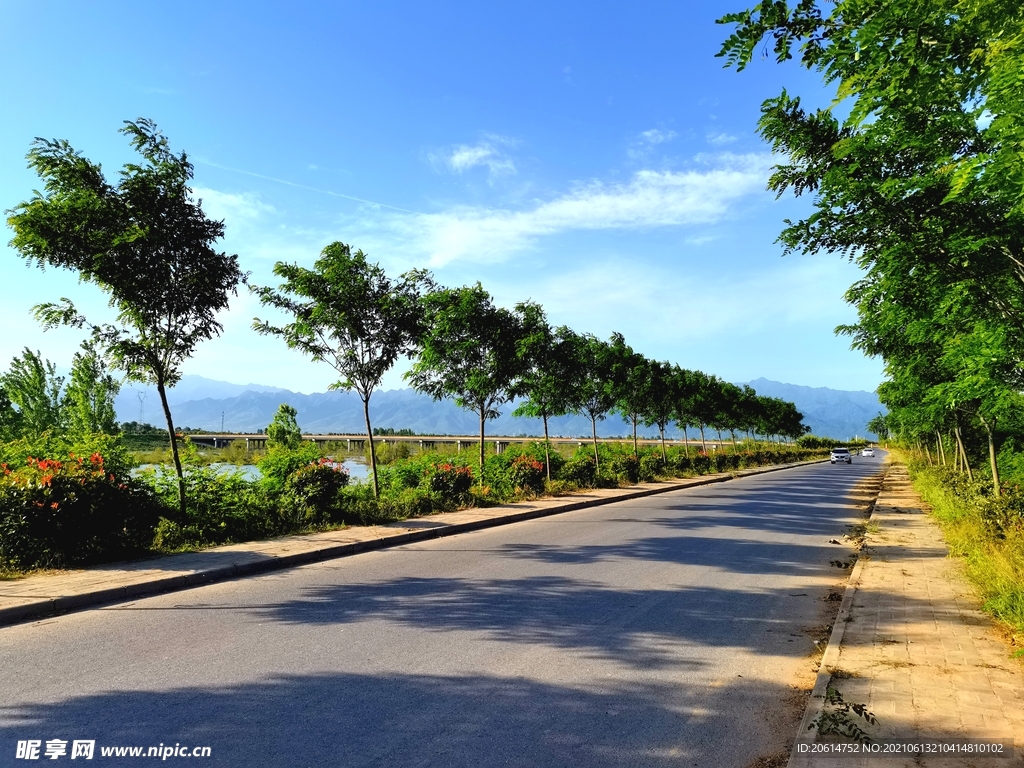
(985, 530)
(388, 452)
(145, 242)
(580, 470)
(72, 510)
(280, 462)
(470, 352)
(526, 473)
(222, 507)
(349, 314)
(283, 431)
(312, 494)
(33, 387)
(90, 394)
(451, 481)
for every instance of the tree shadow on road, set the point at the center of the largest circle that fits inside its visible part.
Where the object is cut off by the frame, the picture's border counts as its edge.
(355, 720)
(638, 628)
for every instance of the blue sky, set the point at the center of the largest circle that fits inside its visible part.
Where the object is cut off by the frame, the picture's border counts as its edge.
(593, 157)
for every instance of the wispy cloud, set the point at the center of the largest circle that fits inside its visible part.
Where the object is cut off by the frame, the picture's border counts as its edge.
(236, 207)
(488, 153)
(720, 139)
(656, 136)
(701, 195)
(644, 146)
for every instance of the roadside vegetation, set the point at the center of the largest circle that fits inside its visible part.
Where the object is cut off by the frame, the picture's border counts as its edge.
(915, 174)
(72, 491)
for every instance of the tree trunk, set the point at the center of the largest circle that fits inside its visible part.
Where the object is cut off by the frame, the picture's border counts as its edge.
(636, 452)
(686, 443)
(963, 453)
(373, 453)
(664, 453)
(597, 459)
(483, 421)
(992, 453)
(174, 447)
(942, 448)
(547, 452)
(928, 454)
(703, 442)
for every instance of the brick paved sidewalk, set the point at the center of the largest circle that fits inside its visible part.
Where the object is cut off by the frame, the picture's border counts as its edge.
(917, 650)
(37, 596)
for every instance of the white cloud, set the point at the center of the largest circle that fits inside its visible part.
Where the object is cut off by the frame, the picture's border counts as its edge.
(487, 153)
(720, 139)
(649, 199)
(231, 207)
(655, 136)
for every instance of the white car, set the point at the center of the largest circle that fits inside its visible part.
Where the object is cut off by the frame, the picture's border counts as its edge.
(869, 452)
(841, 455)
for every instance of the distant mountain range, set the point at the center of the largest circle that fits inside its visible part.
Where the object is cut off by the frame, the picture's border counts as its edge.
(214, 405)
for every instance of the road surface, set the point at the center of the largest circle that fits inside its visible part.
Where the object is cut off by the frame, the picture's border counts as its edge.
(668, 630)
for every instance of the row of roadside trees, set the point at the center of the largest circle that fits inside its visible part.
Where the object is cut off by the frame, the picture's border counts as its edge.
(921, 185)
(147, 244)
(348, 313)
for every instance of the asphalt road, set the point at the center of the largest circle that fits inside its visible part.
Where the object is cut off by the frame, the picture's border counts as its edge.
(663, 631)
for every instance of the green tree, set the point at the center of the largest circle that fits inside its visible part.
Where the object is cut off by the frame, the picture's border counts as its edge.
(90, 394)
(349, 314)
(633, 388)
(36, 391)
(666, 381)
(145, 242)
(595, 393)
(551, 372)
(283, 431)
(469, 353)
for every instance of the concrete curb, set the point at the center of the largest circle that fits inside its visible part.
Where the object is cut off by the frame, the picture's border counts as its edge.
(816, 703)
(43, 607)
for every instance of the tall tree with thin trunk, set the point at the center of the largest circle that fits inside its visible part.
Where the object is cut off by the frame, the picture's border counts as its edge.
(470, 353)
(595, 395)
(145, 242)
(350, 315)
(550, 372)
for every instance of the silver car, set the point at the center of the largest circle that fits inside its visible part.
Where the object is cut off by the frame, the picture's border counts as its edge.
(869, 452)
(841, 455)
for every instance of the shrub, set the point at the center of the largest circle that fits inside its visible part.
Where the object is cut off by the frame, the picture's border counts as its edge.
(310, 495)
(60, 512)
(580, 471)
(701, 463)
(651, 465)
(626, 467)
(389, 452)
(527, 473)
(450, 480)
(280, 462)
(219, 507)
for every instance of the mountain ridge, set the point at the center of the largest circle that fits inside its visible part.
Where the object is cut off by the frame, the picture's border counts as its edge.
(204, 403)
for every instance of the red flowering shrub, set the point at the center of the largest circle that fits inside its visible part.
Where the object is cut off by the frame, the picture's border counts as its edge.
(527, 473)
(450, 480)
(60, 512)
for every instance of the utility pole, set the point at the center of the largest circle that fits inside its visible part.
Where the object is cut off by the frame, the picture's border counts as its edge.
(222, 422)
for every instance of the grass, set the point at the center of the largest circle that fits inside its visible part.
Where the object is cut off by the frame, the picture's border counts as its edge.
(994, 565)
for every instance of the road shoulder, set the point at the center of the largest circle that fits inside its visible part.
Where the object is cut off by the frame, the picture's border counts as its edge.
(912, 644)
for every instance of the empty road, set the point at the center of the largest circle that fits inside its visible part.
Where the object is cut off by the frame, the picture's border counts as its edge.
(663, 631)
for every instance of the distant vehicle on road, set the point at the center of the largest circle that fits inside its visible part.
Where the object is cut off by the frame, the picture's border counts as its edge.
(869, 452)
(842, 455)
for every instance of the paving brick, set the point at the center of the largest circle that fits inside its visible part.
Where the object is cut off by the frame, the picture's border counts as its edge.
(915, 608)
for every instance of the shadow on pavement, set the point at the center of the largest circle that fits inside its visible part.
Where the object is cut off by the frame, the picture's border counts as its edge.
(356, 720)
